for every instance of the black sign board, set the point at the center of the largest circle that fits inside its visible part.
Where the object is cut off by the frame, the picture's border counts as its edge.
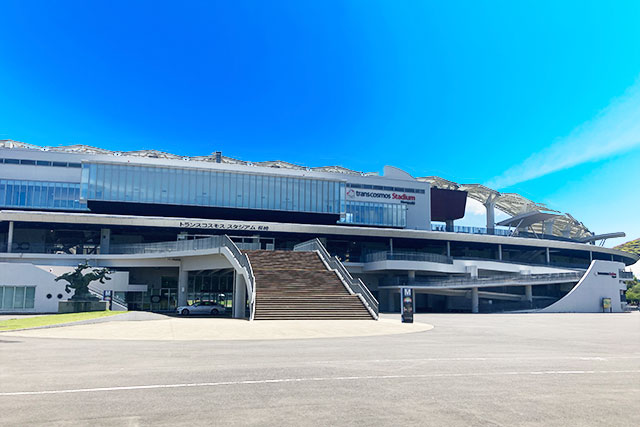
(407, 305)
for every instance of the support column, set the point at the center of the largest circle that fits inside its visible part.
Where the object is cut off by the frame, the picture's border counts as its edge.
(590, 257)
(105, 240)
(10, 237)
(239, 296)
(491, 216)
(475, 300)
(412, 277)
(548, 227)
(500, 252)
(528, 294)
(448, 248)
(391, 245)
(389, 300)
(472, 270)
(448, 225)
(183, 284)
(548, 256)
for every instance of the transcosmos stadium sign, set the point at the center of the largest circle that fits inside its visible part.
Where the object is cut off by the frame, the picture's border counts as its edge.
(382, 196)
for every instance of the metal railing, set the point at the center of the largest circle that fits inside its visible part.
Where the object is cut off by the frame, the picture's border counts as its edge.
(521, 279)
(355, 286)
(172, 246)
(498, 232)
(114, 298)
(244, 262)
(407, 256)
(471, 230)
(627, 275)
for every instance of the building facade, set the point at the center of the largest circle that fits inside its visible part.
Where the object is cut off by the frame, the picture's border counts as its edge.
(129, 211)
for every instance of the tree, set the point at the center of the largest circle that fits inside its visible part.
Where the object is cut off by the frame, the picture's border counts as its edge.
(633, 290)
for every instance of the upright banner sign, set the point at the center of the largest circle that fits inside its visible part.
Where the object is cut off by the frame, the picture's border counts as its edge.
(407, 305)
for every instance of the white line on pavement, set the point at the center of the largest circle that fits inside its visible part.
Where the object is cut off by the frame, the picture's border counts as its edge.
(294, 380)
(476, 359)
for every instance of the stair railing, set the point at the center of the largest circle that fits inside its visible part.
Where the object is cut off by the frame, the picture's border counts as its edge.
(115, 300)
(244, 262)
(353, 285)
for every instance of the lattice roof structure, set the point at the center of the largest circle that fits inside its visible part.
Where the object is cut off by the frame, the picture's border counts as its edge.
(514, 204)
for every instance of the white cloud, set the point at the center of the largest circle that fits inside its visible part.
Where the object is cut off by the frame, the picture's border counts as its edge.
(474, 207)
(614, 130)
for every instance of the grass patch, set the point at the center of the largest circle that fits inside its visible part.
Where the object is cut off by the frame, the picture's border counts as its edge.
(52, 319)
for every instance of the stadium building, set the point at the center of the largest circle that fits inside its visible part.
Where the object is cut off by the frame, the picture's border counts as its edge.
(273, 240)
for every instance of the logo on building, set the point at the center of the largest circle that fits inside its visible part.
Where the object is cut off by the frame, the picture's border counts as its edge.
(603, 273)
(398, 197)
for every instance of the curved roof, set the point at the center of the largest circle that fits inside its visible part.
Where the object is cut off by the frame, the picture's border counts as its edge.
(514, 204)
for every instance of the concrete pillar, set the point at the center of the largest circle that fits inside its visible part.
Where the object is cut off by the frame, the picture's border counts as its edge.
(390, 301)
(448, 225)
(590, 256)
(391, 245)
(548, 227)
(183, 285)
(548, 256)
(528, 292)
(239, 296)
(491, 216)
(10, 237)
(500, 252)
(412, 276)
(448, 248)
(475, 300)
(105, 240)
(472, 270)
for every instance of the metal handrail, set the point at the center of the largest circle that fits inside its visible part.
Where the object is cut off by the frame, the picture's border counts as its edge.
(625, 274)
(114, 299)
(407, 256)
(172, 246)
(355, 286)
(244, 262)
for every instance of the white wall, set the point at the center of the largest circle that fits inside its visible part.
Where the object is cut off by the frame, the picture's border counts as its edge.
(586, 296)
(25, 274)
(43, 278)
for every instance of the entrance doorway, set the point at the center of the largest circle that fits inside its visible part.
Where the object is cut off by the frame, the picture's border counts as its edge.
(212, 285)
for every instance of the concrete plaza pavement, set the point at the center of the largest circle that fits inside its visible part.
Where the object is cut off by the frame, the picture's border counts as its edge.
(502, 369)
(155, 327)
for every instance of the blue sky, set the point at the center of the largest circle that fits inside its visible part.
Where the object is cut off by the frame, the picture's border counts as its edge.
(540, 98)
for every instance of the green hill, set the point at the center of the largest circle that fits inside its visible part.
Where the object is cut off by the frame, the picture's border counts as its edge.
(631, 247)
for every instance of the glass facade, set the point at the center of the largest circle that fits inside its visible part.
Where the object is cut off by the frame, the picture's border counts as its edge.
(198, 187)
(370, 213)
(17, 297)
(40, 194)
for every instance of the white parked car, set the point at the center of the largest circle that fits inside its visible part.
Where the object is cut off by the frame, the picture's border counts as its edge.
(202, 307)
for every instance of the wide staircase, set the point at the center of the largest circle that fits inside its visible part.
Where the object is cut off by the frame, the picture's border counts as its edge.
(297, 285)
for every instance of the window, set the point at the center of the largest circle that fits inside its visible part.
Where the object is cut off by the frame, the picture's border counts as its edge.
(17, 297)
(40, 194)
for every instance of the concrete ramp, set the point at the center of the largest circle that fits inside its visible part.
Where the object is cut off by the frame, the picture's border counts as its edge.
(602, 280)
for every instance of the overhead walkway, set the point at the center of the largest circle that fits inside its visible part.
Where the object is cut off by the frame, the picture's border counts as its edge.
(491, 282)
